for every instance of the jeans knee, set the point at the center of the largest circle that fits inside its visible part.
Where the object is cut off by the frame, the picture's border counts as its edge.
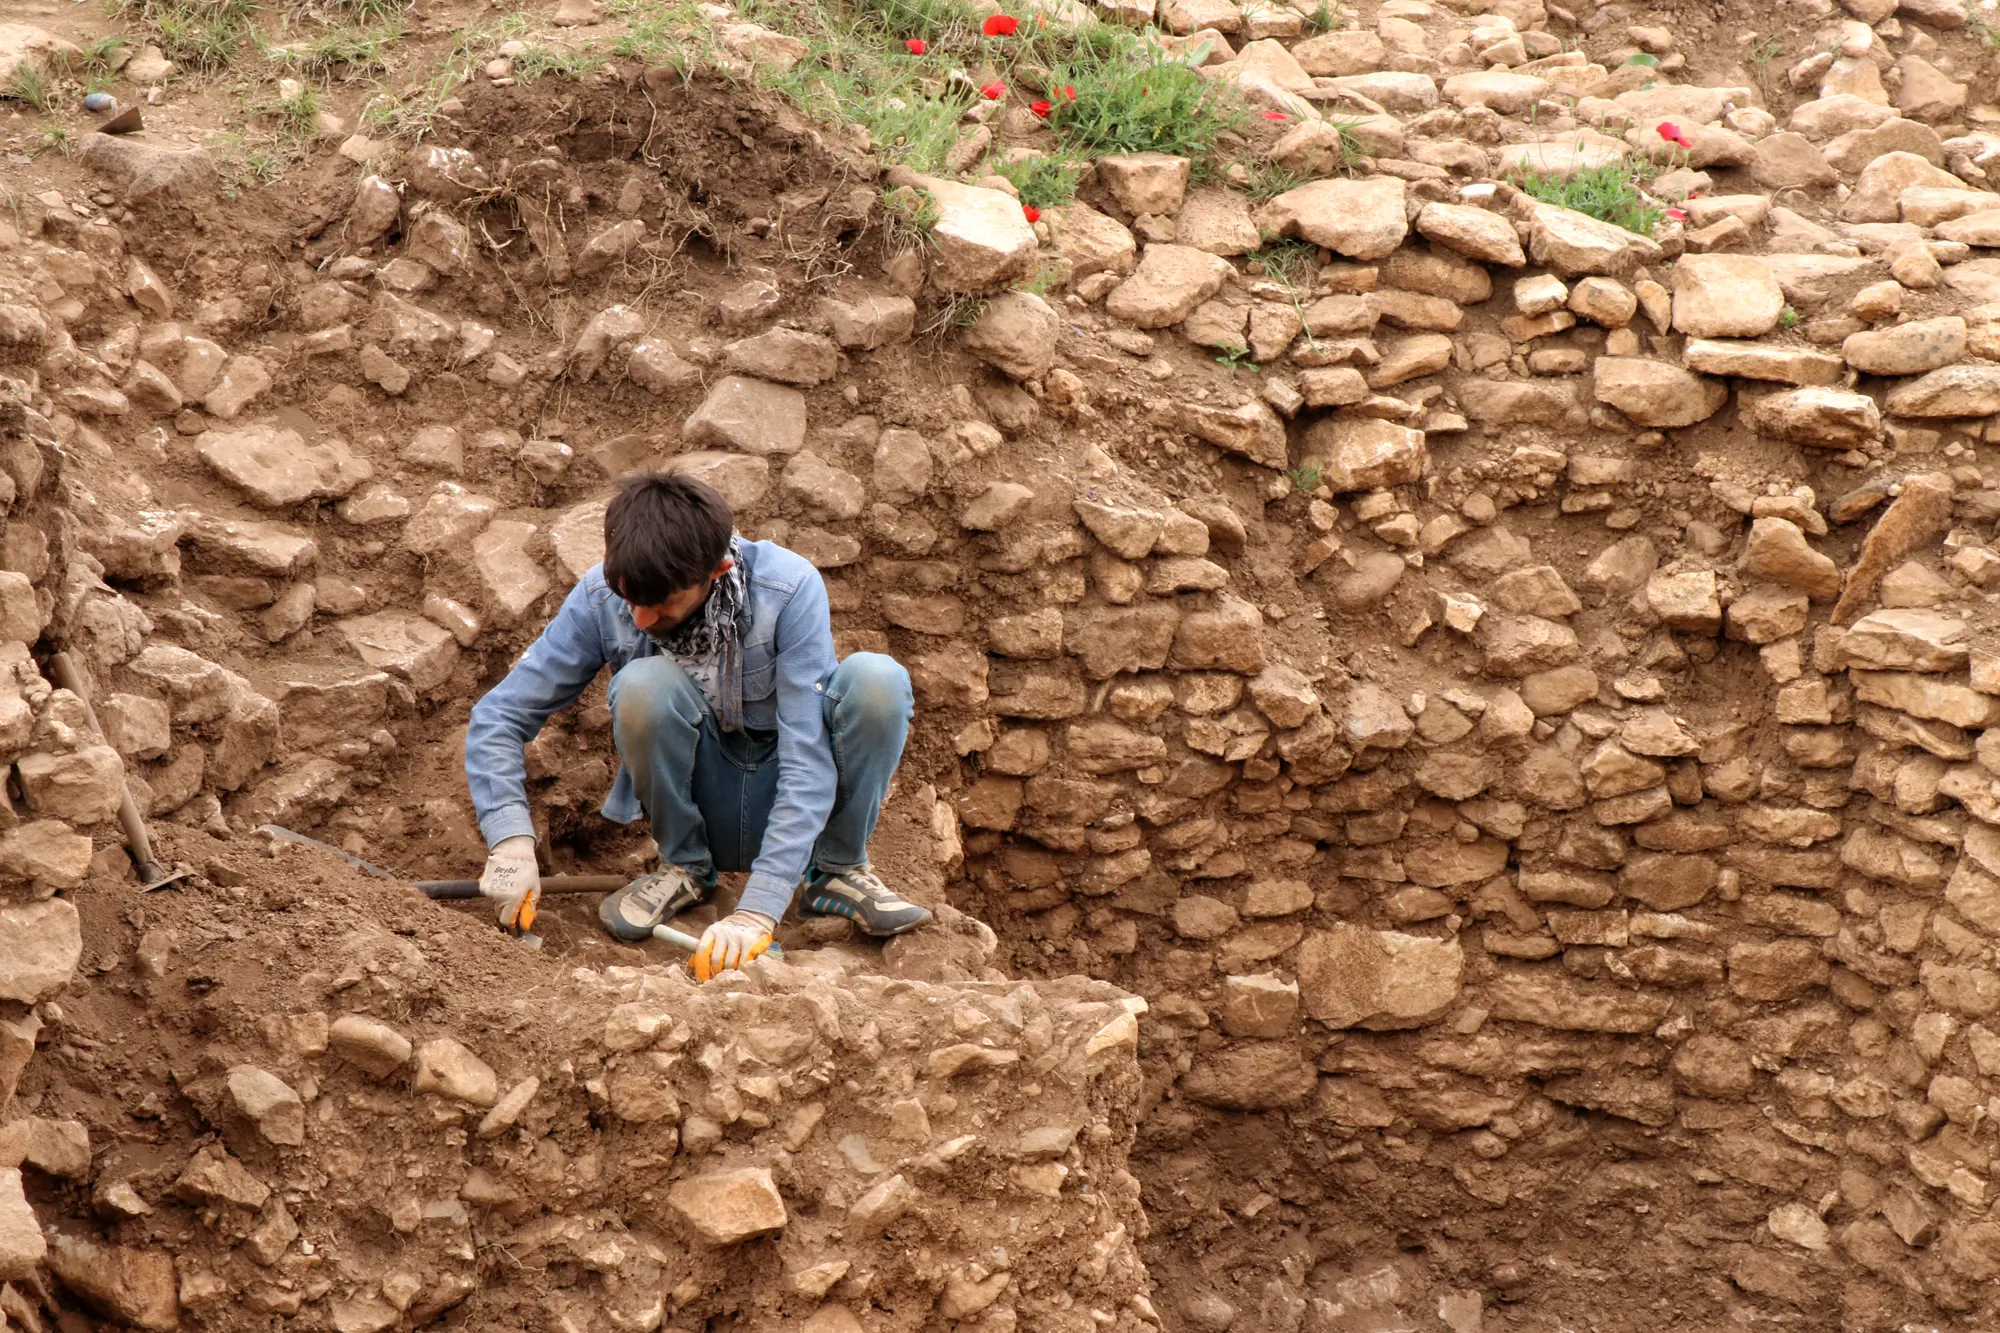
(874, 690)
(652, 690)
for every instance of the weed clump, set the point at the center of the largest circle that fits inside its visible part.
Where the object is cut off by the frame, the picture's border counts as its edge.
(201, 36)
(909, 71)
(299, 113)
(28, 84)
(1609, 193)
(1294, 264)
(563, 62)
(857, 69)
(344, 52)
(55, 139)
(1043, 181)
(1137, 100)
(368, 11)
(1268, 180)
(659, 32)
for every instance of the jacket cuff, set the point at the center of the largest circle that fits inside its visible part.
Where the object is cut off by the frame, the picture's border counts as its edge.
(767, 894)
(509, 821)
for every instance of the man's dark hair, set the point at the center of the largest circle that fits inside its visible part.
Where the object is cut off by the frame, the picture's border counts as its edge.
(663, 534)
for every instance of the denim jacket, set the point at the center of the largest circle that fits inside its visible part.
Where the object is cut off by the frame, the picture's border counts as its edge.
(787, 640)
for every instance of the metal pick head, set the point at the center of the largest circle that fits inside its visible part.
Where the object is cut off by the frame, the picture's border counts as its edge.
(154, 877)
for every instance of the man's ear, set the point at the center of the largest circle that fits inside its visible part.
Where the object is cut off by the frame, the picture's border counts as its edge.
(728, 563)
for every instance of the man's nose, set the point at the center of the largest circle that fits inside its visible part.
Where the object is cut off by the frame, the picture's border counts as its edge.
(643, 617)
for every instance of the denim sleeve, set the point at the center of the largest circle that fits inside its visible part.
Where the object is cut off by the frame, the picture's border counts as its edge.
(547, 679)
(806, 774)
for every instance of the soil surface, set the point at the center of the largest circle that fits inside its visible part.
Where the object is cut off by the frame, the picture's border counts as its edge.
(1429, 823)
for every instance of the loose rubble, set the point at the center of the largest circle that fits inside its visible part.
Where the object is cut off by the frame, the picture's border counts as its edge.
(1488, 725)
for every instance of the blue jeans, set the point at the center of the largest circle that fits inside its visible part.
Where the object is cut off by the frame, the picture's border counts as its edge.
(708, 793)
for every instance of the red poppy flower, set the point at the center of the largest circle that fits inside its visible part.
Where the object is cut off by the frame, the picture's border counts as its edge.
(1041, 108)
(916, 46)
(1031, 213)
(1671, 132)
(1000, 25)
(1067, 92)
(1274, 115)
(994, 91)
(1678, 214)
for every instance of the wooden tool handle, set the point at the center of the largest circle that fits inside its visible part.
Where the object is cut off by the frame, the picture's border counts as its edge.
(446, 890)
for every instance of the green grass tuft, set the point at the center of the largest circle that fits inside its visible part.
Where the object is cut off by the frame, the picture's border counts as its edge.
(1268, 180)
(563, 62)
(1609, 193)
(101, 55)
(29, 84)
(366, 11)
(300, 114)
(1139, 100)
(955, 313)
(1043, 181)
(1292, 263)
(1761, 56)
(1043, 280)
(202, 36)
(1322, 20)
(946, 23)
(344, 52)
(911, 211)
(56, 139)
(1349, 130)
(852, 73)
(658, 32)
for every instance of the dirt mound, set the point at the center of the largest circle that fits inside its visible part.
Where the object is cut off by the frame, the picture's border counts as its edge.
(1473, 604)
(453, 1123)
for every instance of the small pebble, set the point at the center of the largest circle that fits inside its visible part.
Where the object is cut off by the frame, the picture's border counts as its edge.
(99, 101)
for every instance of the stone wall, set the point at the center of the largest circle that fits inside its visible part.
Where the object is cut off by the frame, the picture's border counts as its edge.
(1534, 722)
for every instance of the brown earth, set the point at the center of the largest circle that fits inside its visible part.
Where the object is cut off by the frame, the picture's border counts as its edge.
(1625, 1106)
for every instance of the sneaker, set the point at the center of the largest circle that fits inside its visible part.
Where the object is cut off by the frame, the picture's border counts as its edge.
(631, 913)
(863, 899)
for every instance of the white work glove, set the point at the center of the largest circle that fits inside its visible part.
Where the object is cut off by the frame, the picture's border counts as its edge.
(513, 881)
(732, 942)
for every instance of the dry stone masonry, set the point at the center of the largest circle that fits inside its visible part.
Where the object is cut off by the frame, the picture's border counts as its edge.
(1485, 708)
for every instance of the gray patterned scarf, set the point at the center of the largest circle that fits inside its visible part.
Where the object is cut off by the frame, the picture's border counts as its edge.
(706, 645)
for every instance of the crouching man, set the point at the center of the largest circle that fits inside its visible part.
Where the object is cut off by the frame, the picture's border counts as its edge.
(744, 743)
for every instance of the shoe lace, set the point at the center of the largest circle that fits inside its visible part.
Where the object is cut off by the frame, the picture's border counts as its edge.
(870, 885)
(655, 890)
